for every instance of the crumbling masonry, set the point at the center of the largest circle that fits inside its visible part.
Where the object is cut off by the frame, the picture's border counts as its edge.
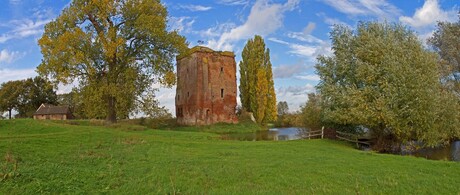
(206, 87)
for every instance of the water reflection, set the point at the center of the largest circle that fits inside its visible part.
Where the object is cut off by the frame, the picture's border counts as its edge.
(455, 151)
(275, 134)
(449, 152)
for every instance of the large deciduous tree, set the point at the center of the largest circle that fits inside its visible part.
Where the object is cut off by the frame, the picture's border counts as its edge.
(115, 49)
(446, 42)
(257, 90)
(380, 76)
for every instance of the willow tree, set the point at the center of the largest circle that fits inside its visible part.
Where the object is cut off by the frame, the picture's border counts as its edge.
(257, 90)
(446, 42)
(380, 76)
(115, 49)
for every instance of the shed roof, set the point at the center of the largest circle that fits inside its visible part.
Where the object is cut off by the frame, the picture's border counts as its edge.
(45, 109)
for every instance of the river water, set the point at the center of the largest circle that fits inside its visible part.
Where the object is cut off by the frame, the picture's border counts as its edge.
(274, 134)
(449, 152)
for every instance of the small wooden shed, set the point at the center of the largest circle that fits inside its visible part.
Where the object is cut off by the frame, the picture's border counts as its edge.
(52, 112)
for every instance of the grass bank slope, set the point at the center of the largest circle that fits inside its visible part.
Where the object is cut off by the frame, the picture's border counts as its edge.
(47, 157)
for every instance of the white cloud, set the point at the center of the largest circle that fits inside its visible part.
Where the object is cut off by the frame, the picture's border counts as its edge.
(303, 50)
(323, 48)
(278, 41)
(296, 90)
(428, 15)
(4, 38)
(217, 30)
(233, 2)
(294, 95)
(346, 6)
(23, 28)
(304, 37)
(310, 77)
(182, 24)
(16, 74)
(310, 46)
(217, 45)
(8, 57)
(332, 21)
(306, 50)
(43, 13)
(379, 8)
(195, 8)
(167, 98)
(62, 89)
(264, 19)
(309, 28)
(287, 71)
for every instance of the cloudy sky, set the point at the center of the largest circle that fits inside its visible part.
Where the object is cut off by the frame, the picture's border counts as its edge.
(296, 31)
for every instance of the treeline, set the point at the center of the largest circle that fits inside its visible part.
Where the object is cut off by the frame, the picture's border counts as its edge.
(25, 96)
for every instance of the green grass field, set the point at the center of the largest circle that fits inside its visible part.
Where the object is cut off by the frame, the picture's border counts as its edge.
(61, 158)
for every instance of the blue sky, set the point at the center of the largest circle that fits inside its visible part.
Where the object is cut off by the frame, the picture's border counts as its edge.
(296, 31)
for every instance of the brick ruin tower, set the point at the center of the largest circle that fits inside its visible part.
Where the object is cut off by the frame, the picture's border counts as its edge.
(206, 87)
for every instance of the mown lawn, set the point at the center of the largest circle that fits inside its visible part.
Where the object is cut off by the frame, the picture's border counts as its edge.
(61, 158)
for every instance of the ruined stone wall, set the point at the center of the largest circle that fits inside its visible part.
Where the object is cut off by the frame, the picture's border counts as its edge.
(206, 87)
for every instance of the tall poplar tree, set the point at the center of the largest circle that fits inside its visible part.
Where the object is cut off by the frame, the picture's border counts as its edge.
(116, 49)
(257, 90)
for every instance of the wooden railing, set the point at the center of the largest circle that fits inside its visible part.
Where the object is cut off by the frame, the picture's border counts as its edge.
(315, 133)
(352, 138)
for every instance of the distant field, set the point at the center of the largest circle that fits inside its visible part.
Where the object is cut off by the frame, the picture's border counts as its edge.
(62, 158)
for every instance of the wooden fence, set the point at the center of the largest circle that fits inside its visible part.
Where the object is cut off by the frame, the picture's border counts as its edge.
(315, 133)
(353, 138)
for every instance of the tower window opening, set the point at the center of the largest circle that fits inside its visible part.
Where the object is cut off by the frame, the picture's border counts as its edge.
(221, 93)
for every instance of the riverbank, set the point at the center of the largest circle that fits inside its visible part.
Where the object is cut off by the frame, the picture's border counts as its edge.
(64, 158)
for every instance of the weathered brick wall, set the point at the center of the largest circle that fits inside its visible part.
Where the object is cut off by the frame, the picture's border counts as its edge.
(206, 87)
(52, 117)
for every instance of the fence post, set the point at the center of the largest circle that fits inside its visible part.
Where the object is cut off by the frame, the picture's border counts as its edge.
(357, 144)
(322, 132)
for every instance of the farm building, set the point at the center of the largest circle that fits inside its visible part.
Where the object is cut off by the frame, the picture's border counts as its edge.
(51, 112)
(206, 87)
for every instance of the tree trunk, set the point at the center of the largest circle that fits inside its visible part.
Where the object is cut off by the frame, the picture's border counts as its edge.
(111, 111)
(9, 114)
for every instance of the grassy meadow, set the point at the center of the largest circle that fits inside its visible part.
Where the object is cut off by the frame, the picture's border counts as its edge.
(50, 157)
